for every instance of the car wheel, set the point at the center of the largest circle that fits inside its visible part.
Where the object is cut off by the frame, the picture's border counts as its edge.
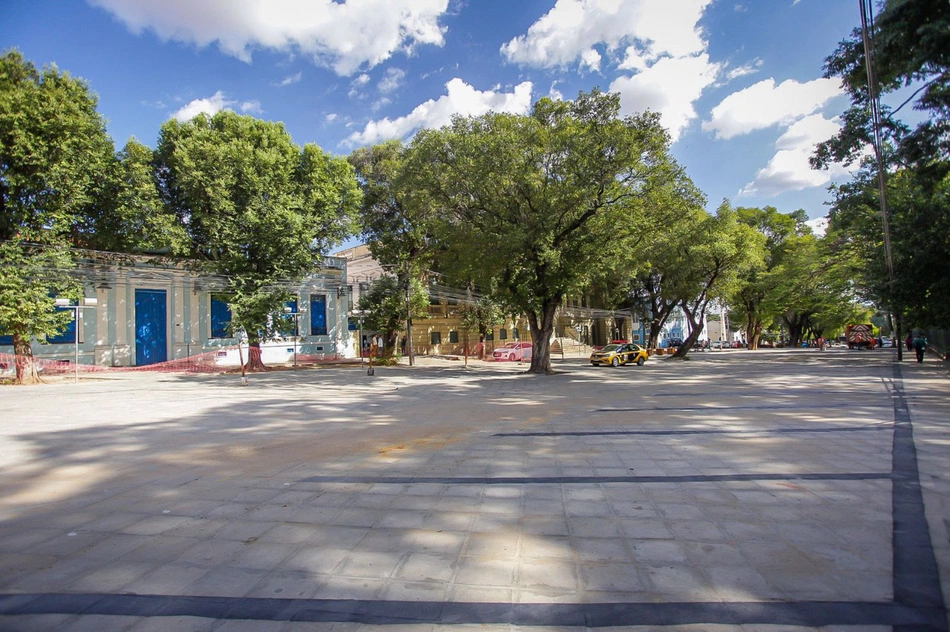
(593, 364)
(640, 361)
(615, 361)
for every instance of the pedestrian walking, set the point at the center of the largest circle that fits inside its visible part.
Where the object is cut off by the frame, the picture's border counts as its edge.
(920, 346)
(909, 342)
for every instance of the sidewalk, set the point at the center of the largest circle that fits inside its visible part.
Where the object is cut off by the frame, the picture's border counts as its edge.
(745, 490)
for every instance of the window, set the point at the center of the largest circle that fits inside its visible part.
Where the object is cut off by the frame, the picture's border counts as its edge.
(453, 336)
(290, 324)
(318, 315)
(436, 337)
(68, 335)
(220, 316)
(490, 334)
(503, 334)
(515, 332)
(6, 340)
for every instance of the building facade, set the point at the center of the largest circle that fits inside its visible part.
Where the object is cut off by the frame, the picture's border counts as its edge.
(148, 312)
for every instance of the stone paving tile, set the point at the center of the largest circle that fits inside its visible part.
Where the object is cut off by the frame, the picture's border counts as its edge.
(272, 534)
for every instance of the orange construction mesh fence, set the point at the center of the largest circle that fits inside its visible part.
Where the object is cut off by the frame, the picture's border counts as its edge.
(218, 361)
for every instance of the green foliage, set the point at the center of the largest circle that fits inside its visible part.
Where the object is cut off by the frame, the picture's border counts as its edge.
(384, 306)
(132, 217)
(911, 47)
(532, 205)
(395, 218)
(756, 300)
(919, 213)
(257, 208)
(482, 315)
(715, 251)
(30, 278)
(53, 153)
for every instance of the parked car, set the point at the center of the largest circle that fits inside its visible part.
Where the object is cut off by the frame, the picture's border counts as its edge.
(617, 354)
(513, 351)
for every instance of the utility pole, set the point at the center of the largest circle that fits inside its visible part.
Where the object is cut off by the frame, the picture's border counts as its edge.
(867, 22)
(408, 315)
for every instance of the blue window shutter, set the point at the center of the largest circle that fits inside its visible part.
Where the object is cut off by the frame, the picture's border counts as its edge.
(220, 316)
(318, 315)
(69, 335)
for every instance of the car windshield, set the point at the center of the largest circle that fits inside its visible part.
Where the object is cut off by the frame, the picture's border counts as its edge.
(609, 348)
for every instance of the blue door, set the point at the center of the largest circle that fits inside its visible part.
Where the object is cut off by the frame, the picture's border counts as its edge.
(151, 338)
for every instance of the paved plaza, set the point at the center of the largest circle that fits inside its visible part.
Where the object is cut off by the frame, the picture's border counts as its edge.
(755, 491)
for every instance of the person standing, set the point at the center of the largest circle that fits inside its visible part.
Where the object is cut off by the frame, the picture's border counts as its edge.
(910, 342)
(920, 346)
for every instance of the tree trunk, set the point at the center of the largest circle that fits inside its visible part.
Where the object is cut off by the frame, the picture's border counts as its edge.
(26, 372)
(254, 362)
(541, 334)
(693, 331)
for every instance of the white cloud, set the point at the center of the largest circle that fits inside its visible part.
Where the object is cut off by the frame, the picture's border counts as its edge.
(210, 106)
(391, 80)
(214, 104)
(765, 104)
(741, 71)
(342, 36)
(286, 81)
(819, 225)
(572, 28)
(788, 170)
(331, 117)
(460, 98)
(661, 43)
(361, 80)
(670, 87)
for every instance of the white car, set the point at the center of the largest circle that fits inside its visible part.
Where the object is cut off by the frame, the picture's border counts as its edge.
(513, 351)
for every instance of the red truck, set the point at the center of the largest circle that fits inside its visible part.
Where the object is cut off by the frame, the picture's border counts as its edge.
(860, 336)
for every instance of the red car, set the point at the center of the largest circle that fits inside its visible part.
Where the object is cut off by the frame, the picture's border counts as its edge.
(513, 351)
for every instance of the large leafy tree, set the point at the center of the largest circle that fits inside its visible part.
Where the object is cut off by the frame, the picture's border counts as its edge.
(535, 205)
(756, 299)
(910, 46)
(910, 49)
(385, 308)
(258, 209)
(714, 252)
(54, 157)
(393, 216)
(131, 216)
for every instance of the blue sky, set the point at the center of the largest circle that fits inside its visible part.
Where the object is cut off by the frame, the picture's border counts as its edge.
(737, 82)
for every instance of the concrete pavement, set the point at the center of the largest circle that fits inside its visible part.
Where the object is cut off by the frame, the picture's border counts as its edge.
(771, 490)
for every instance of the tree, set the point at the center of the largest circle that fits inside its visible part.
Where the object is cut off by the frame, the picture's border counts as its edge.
(54, 151)
(715, 251)
(131, 216)
(755, 301)
(535, 205)
(258, 209)
(482, 315)
(385, 308)
(920, 239)
(910, 48)
(393, 217)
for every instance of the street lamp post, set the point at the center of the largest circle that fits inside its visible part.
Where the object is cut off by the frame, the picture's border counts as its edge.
(87, 303)
(296, 315)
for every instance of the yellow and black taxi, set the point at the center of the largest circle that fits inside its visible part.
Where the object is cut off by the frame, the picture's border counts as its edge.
(616, 354)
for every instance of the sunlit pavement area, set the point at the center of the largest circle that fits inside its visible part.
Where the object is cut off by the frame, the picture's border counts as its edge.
(769, 490)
